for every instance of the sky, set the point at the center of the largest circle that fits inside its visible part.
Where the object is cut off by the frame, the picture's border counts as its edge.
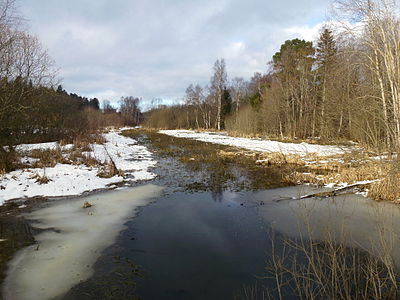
(156, 48)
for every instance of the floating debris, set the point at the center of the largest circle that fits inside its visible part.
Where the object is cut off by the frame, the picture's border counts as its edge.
(86, 204)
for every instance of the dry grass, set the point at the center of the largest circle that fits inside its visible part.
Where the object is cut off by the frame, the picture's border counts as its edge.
(389, 187)
(276, 158)
(109, 170)
(330, 270)
(83, 141)
(387, 174)
(41, 179)
(80, 153)
(78, 156)
(347, 168)
(47, 157)
(9, 160)
(326, 267)
(341, 174)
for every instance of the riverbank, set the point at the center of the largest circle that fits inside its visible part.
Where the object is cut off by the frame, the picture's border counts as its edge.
(215, 198)
(323, 165)
(57, 170)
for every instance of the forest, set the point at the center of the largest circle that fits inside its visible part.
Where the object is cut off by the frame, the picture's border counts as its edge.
(345, 86)
(34, 107)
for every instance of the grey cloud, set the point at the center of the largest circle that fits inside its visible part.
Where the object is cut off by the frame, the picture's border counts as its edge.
(156, 48)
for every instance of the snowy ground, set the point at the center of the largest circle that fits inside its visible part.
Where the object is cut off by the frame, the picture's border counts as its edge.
(69, 180)
(301, 149)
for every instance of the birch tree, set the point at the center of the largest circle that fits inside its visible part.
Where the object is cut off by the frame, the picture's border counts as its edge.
(238, 91)
(217, 86)
(379, 48)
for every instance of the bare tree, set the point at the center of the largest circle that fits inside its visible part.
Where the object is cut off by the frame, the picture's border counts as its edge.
(238, 90)
(218, 84)
(32, 62)
(195, 98)
(379, 49)
(129, 109)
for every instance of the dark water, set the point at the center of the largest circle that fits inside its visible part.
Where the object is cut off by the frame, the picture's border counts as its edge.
(205, 245)
(187, 246)
(210, 244)
(204, 249)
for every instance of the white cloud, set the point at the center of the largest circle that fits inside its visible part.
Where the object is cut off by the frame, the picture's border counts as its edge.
(157, 48)
(306, 32)
(234, 50)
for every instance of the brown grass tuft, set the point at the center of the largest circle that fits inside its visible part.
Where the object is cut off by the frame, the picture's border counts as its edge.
(77, 157)
(389, 187)
(47, 157)
(371, 170)
(41, 179)
(109, 170)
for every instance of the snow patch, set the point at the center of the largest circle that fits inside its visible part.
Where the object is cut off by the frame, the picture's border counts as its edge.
(71, 180)
(301, 149)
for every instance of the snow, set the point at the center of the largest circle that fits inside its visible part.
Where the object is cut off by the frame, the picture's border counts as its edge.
(66, 180)
(301, 149)
(71, 180)
(40, 146)
(68, 251)
(126, 154)
(347, 185)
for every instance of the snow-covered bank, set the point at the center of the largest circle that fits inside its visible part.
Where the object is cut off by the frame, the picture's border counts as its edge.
(69, 179)
(301, 149)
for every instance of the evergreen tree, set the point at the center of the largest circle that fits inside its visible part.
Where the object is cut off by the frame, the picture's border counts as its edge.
(326, 48)
(292, 53)
(325, 57)
(226, 103)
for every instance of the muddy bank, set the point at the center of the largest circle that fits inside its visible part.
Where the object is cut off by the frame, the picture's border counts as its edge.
(192, 165)
(16, 232)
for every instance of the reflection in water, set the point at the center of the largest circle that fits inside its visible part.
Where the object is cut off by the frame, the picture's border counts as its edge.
(203, 245)
(189, 247)
(351, 219)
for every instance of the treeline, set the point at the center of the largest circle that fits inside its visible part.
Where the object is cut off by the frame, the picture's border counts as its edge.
(344, 86)
(33, 106)
(39, 114)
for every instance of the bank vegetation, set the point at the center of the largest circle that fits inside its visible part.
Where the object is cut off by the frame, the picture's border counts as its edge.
(34, 107)
(342, 87)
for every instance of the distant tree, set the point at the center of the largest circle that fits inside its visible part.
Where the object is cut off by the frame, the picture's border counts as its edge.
(107, 107)
(238, 91)
(226, 106)
(94, 103)
(255, 87)
(194, 98)
(292, 67)
(129, 109)
(325, 58)
(217, 86)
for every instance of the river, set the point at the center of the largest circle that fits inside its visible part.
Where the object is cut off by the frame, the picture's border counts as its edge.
(163, 240)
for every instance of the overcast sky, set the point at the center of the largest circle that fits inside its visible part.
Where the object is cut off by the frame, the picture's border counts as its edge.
(156, 48)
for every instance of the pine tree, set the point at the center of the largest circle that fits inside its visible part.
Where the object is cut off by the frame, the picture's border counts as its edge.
(326, 48)
(325, 57)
